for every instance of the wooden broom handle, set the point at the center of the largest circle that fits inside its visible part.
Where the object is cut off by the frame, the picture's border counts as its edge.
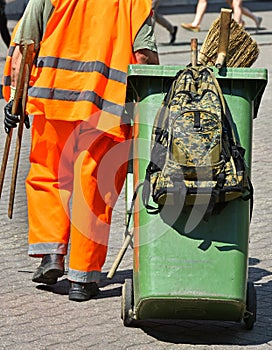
(194, 52)
(5, 159)
(17, 97)
(223, 41)
(120, 256)
(20, 98)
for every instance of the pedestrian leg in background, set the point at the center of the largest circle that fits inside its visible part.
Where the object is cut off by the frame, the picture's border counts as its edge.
(200, 11)
(239, 10)
(157, 17)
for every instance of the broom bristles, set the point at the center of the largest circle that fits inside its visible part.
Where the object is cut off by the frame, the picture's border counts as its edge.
(242, 50)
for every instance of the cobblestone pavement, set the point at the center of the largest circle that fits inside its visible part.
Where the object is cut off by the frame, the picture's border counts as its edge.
(41, 317)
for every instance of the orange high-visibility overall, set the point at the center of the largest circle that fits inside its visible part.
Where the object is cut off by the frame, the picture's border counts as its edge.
(6, 79)
(80, 144)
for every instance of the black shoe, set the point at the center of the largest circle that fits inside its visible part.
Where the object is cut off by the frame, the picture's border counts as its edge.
(83, 291)
(50, 269)
(173, 35)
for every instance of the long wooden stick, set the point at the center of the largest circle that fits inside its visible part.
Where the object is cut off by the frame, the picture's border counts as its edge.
(18, 107)
(223, 41)
(120, 255)
(194, 51)
(128, 237)
(22, 84)
(5, 159)
(15, 110)
(28, 47)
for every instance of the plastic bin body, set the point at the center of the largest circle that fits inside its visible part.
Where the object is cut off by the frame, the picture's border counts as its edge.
(191, 269)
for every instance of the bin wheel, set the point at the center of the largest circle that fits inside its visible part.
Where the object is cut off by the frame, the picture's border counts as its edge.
(251, 306)
(127, 299)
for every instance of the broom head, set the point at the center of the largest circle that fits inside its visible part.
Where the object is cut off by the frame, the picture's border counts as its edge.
(242, 50)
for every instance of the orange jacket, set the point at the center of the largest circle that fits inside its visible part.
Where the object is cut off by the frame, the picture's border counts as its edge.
(80, 72)
(7, 68)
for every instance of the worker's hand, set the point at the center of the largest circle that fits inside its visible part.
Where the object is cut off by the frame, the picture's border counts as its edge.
(11, 120)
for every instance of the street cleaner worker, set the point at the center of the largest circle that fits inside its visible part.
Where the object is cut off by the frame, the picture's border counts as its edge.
(80, 131)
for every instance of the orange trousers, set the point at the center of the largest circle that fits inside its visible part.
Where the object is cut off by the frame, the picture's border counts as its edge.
(75, 177)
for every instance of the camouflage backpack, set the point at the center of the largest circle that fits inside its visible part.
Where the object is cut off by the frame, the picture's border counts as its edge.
(195, 156)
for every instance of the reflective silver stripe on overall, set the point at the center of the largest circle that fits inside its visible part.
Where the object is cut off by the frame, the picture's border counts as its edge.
(75, 95)
(47, 248)
(7, 78)
(83, 67)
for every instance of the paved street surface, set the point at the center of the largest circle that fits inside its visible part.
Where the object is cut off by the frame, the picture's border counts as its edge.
(41, 317)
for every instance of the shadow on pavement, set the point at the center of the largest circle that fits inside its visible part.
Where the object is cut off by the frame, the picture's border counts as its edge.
(62, 286)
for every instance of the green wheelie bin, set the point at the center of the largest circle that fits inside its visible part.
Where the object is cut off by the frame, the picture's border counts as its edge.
(191, 269)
